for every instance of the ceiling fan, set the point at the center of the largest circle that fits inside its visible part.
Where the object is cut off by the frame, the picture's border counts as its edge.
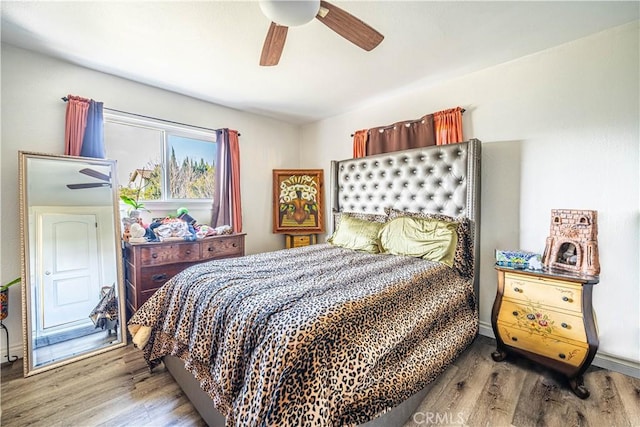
(288, 13)
(94, 174)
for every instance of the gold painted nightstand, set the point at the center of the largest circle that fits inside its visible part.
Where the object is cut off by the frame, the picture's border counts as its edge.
(298, 240)
(547, 317)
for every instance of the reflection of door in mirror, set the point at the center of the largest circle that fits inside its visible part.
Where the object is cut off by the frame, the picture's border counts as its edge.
(71, 245)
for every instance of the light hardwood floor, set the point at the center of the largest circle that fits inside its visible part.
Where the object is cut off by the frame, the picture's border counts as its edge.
(116, 389)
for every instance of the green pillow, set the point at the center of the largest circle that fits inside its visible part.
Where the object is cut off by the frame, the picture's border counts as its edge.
(431, 239)
(357, 234)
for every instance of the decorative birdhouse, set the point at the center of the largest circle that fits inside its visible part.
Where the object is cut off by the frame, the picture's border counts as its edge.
(572, 244)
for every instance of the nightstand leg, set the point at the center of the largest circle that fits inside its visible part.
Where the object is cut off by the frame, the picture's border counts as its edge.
(499, 355)
(577, 385)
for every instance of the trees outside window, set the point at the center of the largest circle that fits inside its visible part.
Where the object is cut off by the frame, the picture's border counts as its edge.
(159, 161)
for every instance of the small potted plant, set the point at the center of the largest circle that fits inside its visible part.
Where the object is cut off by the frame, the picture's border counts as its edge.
(4, 297)
(136, 206)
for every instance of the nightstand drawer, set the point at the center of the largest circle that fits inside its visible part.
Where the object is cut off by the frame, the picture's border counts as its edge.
(168, 254)
(539, 320)
(301, 241)
(548, 292)
(223, 247)
(566, 352)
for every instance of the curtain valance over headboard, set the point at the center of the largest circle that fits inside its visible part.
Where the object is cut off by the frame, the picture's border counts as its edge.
(440, 128)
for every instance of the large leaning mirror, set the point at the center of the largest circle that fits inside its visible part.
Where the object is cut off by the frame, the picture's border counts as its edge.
(72, 287)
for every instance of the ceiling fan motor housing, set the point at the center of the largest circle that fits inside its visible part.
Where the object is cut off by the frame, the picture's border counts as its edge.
(290, 13)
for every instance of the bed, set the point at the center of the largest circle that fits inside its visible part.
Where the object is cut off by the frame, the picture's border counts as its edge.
(325, 334)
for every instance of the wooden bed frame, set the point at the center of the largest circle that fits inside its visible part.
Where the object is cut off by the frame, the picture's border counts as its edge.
(439, 179)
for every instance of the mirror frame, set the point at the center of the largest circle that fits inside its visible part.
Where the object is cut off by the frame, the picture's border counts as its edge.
(29, 369)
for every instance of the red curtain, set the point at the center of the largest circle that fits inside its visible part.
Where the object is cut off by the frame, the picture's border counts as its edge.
(448, 126)
(360, 143)
(75, 124)
(236, 202)
(402, 136)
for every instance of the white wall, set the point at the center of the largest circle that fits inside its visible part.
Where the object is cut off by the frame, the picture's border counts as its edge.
(560, 129)
(33, 120)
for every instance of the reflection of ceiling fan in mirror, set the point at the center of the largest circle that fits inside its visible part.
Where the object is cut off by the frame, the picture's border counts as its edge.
(285, 14)
(94, 174)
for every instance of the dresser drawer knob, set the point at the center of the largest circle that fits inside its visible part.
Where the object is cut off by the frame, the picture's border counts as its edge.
(159, 277)
(564, 325)
(154, 256)
(235, 245)
(514, 338)
(516, 289)
(531, 316)
(567, 299)
(562, 356)
(210, 248)
(188, 251)
(515, 313)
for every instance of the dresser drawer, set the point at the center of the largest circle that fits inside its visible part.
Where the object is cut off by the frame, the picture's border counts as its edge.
(156, 276)
(168, 254)
(540, 320)
(571, 353)
(222, 247)
(553, 293)
(136, 299)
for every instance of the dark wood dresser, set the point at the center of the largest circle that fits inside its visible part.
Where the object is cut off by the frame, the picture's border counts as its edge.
(149, 265)
(547, 317)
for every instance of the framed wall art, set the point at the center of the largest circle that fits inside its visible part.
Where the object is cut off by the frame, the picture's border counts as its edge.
(298, 201)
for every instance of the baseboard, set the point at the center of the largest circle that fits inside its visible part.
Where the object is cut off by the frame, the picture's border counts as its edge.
(602, 360)
(14, 351)
(486, 329)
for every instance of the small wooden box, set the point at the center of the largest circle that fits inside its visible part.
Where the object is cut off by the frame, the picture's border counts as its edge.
(298, 240)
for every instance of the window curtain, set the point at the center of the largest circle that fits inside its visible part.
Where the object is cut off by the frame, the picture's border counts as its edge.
(360, 143)
(93, 141)
(448, 126)
(84, 128)
(227, 205)
(402, 136)
(75, 124)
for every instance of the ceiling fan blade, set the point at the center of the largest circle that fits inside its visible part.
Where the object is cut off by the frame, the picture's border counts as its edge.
(88, 185)
(95, 174)
(273, 44)
(348, 26)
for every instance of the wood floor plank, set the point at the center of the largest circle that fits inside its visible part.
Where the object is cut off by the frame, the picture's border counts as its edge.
(629, 391)
(495, 405)
(605, 400)
(117, 389)
(460, 397)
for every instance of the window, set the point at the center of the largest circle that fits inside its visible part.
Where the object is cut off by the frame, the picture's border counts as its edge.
(160, 161)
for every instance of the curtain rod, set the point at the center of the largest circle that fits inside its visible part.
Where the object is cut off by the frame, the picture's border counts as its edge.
(65, 99)
(462, 110)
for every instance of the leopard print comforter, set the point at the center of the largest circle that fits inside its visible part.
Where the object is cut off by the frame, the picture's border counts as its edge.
(317, 335)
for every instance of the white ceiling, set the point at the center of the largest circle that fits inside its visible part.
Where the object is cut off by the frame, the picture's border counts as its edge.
(47, 178)
(210, 49)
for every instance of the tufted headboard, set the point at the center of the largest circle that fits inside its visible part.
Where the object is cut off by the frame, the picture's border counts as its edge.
(443, 179)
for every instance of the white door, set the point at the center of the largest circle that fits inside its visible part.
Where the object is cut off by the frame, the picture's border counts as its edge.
(69, 276)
